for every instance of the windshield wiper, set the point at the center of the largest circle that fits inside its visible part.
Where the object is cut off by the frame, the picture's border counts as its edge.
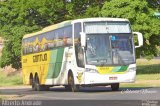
(103, 64)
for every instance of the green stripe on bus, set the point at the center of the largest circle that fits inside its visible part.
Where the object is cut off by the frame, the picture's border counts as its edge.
(120, 69)
(123, 68)
(55, 63)
(116, 69)
(58, 63)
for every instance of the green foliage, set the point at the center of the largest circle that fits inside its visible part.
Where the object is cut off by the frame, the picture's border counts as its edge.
(19, 17)
(154, 4)
(141, 17)
(11, 52)
(83, 8)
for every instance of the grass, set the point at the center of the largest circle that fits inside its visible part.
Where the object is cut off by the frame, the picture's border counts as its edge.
(148, 66)
(146, 80)
(10, 80)
(148, 77)
(2, 97)
(139, 85)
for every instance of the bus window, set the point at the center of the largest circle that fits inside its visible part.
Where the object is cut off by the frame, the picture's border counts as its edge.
(78, 49)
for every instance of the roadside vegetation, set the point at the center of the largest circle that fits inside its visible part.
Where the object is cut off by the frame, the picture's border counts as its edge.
(145, 66)
(9, 80)
(145, 80)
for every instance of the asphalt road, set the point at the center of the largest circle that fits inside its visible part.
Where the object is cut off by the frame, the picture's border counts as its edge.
(95, 96)
(90, 93)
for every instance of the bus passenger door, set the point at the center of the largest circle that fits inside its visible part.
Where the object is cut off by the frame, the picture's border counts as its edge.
(79, 53)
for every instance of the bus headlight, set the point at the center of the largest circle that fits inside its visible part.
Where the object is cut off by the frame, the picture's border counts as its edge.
(91, 70)
(132, 69)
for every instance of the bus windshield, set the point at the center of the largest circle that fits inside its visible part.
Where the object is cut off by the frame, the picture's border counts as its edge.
(105, 49)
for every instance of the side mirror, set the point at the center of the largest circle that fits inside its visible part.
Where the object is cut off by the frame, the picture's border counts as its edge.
(140, 39)
(83, 39)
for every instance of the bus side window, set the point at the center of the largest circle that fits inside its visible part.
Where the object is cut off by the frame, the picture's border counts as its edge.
(78, 49)
(30, 49)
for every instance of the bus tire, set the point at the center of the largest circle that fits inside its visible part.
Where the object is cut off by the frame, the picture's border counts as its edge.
(33, 84)
(71, 85)
(115, 86)
(39, 87)
(45, 88)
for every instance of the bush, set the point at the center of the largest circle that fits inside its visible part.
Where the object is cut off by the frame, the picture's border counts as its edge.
(14, 79)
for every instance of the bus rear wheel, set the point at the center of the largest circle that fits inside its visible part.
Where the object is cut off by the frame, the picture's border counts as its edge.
(33, 85)
(115, 87)
(71, 85)
(36, 85)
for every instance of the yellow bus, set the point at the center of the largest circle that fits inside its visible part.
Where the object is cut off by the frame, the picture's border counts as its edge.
(80, 53)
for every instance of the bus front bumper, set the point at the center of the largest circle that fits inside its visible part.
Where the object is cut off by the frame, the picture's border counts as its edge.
(96, 78)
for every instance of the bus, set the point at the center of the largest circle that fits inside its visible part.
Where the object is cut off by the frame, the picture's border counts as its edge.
(81, 53)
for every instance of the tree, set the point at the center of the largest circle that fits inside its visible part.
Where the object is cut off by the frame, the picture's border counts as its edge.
(19, 17)
(83, 8)
(154, 4)
(141, 17)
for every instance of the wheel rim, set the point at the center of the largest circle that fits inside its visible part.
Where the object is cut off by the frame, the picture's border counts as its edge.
(72, 86)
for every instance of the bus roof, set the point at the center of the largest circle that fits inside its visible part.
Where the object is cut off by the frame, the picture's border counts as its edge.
(99, 19)
(49, 28)
(69, 22)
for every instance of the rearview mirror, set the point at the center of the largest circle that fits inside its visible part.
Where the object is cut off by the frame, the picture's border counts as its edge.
(83, 39)
(140, 39)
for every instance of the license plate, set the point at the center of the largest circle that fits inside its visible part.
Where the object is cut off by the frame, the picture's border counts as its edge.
(112, 78)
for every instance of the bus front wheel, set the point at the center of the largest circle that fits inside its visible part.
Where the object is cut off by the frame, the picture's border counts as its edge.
(115, 87)
(71, 85)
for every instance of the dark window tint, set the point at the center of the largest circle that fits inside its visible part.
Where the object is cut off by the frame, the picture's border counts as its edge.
(77, 30)
(49, 40)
